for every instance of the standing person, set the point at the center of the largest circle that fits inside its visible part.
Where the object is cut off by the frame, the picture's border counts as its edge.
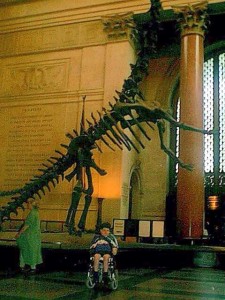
(28, 239)
(103, 245)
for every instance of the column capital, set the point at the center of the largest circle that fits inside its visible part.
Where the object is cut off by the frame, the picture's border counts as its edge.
(118, 26)
(192, 17)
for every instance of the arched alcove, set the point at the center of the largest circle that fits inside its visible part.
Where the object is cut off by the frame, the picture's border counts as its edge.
(134, 207)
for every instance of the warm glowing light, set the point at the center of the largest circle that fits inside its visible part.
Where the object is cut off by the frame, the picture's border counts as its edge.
(107, 190)
(213, 202)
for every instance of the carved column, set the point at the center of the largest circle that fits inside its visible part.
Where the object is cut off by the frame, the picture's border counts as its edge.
(119, 51)
(119, 54)
(190, 189)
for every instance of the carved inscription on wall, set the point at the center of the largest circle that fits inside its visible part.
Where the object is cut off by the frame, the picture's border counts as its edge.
(50, 76)
(125, 192)
(27, 144)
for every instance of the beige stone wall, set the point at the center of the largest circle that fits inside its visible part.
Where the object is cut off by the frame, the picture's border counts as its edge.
(51, 55)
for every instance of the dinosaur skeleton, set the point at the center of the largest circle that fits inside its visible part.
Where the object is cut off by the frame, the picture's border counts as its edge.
(111, 124)
(109, 127)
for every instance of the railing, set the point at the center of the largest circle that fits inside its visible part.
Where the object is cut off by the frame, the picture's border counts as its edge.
(46, 225)
(53, 226)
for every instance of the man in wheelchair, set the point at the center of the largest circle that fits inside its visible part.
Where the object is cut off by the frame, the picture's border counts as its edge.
(103, 245)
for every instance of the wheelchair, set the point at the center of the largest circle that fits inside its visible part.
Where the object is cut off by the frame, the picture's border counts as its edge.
(112, 274)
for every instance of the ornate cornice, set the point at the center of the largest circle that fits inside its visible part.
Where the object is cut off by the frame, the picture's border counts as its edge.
(192, 17)
(118, 26)
(20, 15)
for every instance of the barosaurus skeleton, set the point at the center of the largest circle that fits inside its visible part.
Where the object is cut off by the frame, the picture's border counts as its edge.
(111, 124)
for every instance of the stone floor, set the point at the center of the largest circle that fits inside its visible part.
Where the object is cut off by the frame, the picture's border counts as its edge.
(159, 283)
(145, 271)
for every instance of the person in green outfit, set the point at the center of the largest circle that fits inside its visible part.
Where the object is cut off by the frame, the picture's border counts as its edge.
(28, 239)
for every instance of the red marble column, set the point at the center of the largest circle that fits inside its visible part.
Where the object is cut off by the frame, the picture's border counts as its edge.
(190, 189)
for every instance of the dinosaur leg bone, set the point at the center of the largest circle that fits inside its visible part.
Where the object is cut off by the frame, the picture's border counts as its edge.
(88, 198)
(76, 195)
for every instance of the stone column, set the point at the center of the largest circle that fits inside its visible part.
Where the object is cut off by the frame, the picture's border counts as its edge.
(190, 189)
(119, 54)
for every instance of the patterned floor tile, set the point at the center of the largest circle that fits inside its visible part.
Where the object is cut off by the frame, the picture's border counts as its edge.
(33, 289)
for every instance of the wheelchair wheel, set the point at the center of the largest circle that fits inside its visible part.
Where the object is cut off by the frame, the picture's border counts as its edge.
(90, 282)
(114, 281)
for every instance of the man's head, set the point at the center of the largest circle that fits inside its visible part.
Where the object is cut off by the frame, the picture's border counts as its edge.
(105, 229)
